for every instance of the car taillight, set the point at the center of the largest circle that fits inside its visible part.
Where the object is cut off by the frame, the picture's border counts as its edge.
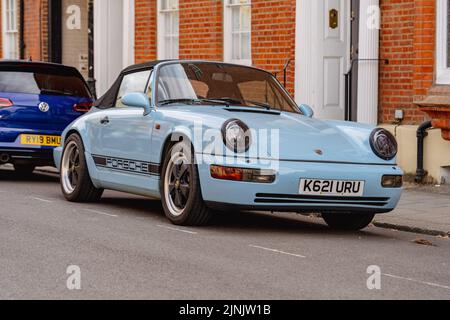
(83, 107)
(5, 103)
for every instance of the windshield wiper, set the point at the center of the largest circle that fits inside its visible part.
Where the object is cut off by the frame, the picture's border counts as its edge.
(221, 101)
(171, 101)
(193, 101)
(255, 103)
(217, 101)
(260, 104)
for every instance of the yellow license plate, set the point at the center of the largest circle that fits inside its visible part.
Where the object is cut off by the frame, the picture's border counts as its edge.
(40, 140)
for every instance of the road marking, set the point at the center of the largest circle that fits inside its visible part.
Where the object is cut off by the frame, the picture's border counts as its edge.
(278, 251)
(42, 200)
(417, 281)
(101, 213)
(177, 229)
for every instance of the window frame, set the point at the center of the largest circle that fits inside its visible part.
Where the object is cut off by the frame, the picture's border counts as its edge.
(146, 88)
(228, 31)
(161, 34)
(442, 42)
(10, 35)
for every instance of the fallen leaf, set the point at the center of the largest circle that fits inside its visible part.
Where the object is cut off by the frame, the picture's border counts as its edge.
(424, 242)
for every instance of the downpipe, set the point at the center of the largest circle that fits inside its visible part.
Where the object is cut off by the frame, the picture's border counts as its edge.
(421, 134)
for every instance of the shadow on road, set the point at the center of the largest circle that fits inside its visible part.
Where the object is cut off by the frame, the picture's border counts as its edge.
(229, 221)
(10, 175)
(235, 221)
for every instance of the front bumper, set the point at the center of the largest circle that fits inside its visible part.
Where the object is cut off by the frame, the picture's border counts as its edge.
(284, 195)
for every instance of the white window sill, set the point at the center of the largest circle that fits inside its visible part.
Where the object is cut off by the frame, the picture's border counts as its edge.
(443, 76)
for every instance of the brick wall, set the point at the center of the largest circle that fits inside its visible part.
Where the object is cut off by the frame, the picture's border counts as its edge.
(201, 32)
(44, 30)
(407, 39)
(145, 30)
(201, 29)
(273, 36)
(36, 30)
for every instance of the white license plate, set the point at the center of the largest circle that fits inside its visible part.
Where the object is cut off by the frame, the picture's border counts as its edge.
(342, 188)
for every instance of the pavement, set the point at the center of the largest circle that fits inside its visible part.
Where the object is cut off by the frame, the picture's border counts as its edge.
(422, 209)
(125, 248)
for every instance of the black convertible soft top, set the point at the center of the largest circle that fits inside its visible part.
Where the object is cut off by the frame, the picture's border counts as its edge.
(108, 100)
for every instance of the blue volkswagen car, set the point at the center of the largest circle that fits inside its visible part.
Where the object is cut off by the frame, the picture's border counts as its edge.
(37, 101)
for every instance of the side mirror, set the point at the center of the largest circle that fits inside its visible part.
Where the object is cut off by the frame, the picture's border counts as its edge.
(137, 100)
(306, 110)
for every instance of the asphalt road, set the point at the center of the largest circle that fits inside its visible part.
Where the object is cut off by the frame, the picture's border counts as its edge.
(126, 249)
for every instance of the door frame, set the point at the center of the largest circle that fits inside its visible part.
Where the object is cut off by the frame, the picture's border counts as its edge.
(105, 41)
(55, 31)
(304, 54)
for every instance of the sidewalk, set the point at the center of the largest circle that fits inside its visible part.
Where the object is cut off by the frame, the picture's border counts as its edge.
(422, 209)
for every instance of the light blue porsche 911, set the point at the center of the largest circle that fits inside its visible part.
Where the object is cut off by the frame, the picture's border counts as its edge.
(204, 136)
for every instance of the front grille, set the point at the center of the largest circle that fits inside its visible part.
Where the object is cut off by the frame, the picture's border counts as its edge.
(270, 198)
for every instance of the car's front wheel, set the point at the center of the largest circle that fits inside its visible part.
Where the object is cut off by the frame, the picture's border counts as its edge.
(76, 183)
(180, 188)
(348, 221)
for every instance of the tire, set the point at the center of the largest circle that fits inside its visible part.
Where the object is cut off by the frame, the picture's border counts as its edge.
(24, 169)
(348, 221)
(180, 188)
(76, 184)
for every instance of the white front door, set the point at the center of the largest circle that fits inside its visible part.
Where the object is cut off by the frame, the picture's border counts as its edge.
(323, 55)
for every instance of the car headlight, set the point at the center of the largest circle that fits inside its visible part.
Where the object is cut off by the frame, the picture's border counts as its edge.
(383, 144)
(236, 135)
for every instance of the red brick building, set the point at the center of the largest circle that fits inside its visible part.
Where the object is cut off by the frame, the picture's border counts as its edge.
(318, 42)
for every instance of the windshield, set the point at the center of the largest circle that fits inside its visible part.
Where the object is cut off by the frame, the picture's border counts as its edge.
(43, 83)
(214, 83)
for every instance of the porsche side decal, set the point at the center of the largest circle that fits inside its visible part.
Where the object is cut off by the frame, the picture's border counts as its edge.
(127, 165)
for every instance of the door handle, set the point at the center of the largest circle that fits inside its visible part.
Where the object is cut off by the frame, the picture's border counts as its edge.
(105, 120)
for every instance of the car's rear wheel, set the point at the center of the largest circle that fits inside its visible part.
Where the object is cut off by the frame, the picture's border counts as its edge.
(76, 183)
(24, 169)
(348, 221)
(180, 188)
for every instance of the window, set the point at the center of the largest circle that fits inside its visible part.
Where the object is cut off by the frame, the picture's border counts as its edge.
(10, 29)
(133, 82)
(42, 83)
(443, 42)
(168, 29)
(237, 31)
